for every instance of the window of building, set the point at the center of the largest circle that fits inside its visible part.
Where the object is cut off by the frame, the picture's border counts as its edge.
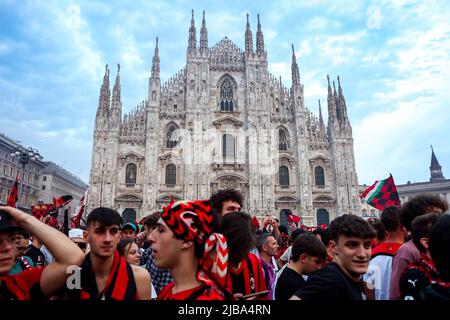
(130, 173)
(284, 177)
(43, 187)
(171, 137)
(282, 140)
(320, 176)
(228, 146)
(44, 178)
(226, 96)
(171, 175)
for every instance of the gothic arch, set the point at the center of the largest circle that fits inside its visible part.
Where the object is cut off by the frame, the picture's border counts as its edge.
(283, 139)
(227, 88)
(171, 136)
(131, 173)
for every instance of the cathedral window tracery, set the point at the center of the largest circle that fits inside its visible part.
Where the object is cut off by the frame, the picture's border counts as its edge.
(283, 143)
(226, 96)
(171, 137)
(320, 176)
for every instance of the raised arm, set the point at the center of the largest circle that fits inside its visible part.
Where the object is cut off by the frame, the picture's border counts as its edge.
(65, 252)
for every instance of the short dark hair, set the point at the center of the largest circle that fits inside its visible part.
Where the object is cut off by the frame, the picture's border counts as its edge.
(218, 198)
(283, 229)
(152, 219)
(309, 244)
(421, 227)
(391, 218)
(419, 205)
(104, 216)
(439, 246)
(123, 244)
(379, 229)
(351, 226)
(236, 227)
(296, 233)
(324, 235)
(22, 232)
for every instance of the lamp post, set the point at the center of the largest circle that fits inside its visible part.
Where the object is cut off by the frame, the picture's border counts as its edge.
(24, 156)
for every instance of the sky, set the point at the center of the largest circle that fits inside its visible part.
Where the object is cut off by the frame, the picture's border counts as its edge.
(393, 59)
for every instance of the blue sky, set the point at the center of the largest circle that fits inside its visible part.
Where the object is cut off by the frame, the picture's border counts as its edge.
(393, 58)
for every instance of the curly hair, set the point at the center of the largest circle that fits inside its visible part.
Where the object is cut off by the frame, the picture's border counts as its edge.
(218, 198)
(419, 205)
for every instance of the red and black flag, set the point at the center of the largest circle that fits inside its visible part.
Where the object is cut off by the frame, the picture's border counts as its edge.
(14, 194)
(293, 221)
(382, 194)
(61, 201)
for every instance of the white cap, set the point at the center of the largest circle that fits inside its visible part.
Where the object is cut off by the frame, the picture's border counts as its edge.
(75, 233)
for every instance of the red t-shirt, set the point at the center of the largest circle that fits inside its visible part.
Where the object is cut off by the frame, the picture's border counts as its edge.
(22, 286)
(202, 292)
(387, 248)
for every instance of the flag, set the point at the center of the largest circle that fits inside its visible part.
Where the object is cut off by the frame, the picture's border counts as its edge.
(40, 211)
(293, 221)
(382, 194)
(255, 222)
(76, 219)
(14, 194)
(61, 201)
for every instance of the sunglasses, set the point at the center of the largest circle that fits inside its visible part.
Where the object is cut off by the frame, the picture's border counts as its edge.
(81, 245)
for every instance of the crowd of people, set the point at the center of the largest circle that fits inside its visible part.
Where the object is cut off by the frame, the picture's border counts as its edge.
(212, 250)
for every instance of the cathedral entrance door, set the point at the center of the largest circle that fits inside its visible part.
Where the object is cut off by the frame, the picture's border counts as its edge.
(129, 215)
(322, 217)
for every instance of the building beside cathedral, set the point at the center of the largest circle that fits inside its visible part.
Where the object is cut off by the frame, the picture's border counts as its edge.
(437, 185)
(224, 121)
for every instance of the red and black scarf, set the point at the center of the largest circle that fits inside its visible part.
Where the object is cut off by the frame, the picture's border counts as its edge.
(119, 286)
(425, 265)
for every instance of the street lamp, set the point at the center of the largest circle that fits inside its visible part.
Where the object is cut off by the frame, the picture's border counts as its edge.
(24, 156)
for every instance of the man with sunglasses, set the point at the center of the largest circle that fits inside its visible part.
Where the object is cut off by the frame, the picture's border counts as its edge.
(76, 235)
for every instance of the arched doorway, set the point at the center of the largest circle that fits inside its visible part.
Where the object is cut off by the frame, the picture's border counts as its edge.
(283, 217)
(129, 215)
(322, 217)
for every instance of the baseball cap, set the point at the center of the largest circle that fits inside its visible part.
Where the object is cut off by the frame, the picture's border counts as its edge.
(129, 225)
(6, 225)
(75, 233)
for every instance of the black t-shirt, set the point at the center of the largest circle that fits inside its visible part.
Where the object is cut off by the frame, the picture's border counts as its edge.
(411, 283)
(288, 283)
(36, 256)
(330, 283)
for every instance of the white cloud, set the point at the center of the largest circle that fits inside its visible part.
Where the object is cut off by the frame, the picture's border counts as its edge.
(282, 69)
(320, 23)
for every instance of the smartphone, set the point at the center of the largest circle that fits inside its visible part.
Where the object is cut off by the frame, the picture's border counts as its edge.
(260, 293)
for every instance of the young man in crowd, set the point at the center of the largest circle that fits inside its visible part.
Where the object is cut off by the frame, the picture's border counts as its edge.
(129, 231)
(36, 283)
(268, 248)
(160, 277)
(23, 262)
(421, 272)
(105, 275)
(226, 201)
(35, 253)
(378, 276)
(439, 247)
(407, 253)
(308, 252)
(350, 240)
(185, 243)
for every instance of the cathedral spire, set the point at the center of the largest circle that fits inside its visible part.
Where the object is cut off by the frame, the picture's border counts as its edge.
(259, 39)
(336, 101)
(294, 69)
(105, 92)
(248, 37)
(435, 168)
(116, 106)
(203, 35)
(155, 62)
(331, 103)
(192, 45)
(342, 104)
(322, 125)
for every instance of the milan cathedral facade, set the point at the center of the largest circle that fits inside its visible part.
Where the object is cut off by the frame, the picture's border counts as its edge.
(224, 121)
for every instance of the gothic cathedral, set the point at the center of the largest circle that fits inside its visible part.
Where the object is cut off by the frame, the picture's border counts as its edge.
(224, 121)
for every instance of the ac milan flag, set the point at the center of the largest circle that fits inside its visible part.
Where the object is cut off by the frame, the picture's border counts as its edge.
(382, 194)
(61, 201)
(76, 219)
(14, 194)
(293, 221)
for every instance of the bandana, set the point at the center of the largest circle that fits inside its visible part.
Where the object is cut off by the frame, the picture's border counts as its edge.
(194, 221)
